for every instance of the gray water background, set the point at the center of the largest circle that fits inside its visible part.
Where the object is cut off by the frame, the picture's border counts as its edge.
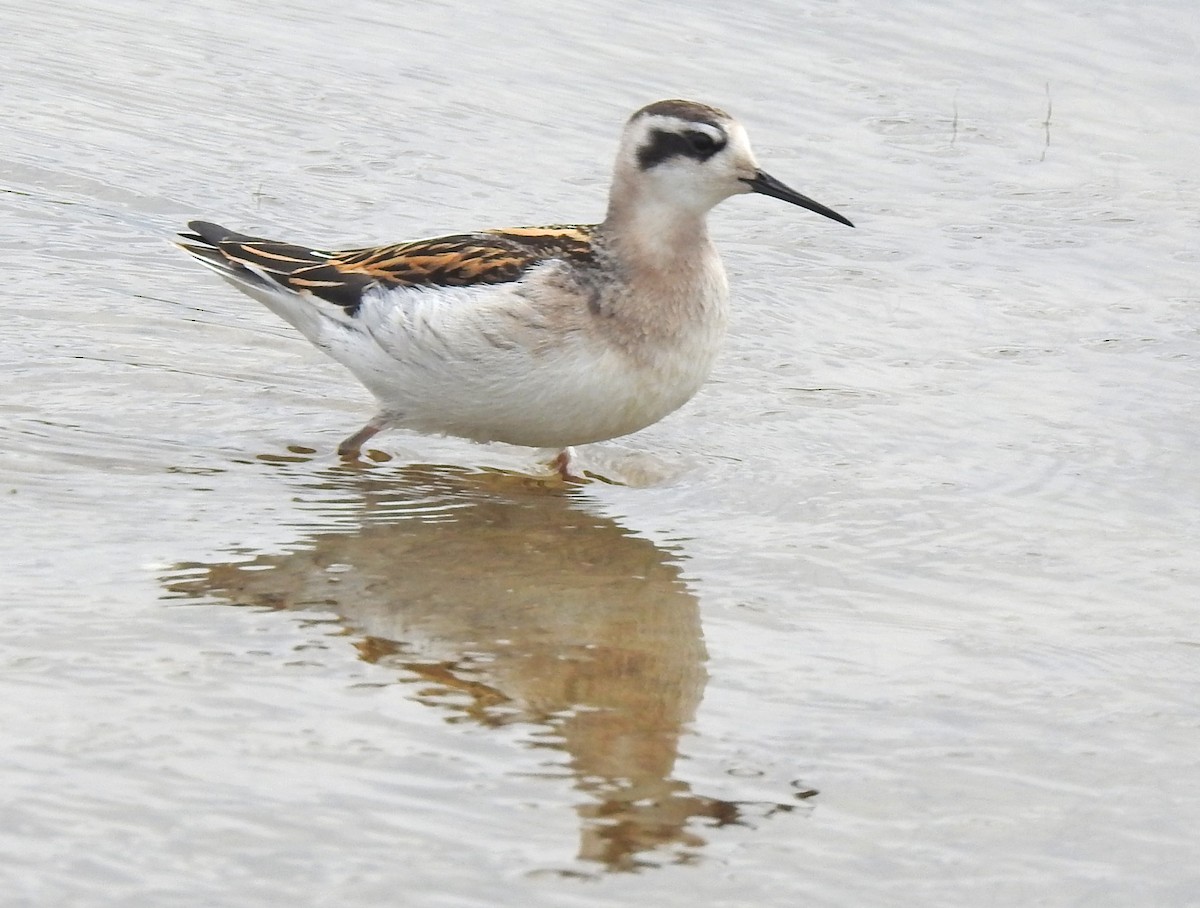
(899, 611)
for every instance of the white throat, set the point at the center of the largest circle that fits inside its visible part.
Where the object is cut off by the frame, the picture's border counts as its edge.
(643, 220)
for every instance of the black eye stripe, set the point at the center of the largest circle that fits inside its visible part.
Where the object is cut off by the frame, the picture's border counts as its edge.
(691, 143)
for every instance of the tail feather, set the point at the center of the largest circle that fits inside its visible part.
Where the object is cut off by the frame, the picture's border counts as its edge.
(261, 269)
(204, 243)
(212, 242)
(249, 262)
(215, 234)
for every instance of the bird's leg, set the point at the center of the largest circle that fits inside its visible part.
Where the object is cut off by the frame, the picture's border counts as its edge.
(352, 446)
(562, 465)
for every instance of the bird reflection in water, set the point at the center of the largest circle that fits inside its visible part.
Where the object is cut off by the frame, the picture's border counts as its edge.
(510, 603)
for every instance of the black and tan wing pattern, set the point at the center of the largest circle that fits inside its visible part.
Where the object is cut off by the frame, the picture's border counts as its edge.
(341, 278)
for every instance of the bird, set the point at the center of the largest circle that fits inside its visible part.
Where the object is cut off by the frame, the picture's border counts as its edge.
(546, 337)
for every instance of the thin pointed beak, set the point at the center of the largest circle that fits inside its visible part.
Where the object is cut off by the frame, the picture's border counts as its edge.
(768, 185)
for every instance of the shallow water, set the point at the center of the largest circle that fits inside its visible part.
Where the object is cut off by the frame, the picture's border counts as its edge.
(899, 611)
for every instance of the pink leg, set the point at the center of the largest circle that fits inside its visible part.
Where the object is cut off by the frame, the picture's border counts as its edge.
(561, 464)
(352, 446)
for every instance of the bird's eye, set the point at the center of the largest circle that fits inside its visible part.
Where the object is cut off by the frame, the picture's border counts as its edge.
(700, 142)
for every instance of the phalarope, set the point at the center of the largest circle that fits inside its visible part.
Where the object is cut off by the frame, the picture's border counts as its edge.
(547, 337)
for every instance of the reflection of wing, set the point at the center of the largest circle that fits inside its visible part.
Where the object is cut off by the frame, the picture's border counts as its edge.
(566, 621)
(489, 257)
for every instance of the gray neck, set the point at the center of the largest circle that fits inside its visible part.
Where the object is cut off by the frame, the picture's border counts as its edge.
(654, 233)
(674, 284)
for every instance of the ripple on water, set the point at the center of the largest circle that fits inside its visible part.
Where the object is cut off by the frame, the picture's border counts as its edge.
(925, 544)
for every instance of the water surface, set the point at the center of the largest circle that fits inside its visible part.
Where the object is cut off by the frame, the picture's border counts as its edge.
(899, 611)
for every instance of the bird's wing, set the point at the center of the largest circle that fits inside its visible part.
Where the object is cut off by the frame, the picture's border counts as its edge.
(341, 278)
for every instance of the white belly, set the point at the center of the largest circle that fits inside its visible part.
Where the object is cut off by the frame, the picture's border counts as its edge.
(577, 398)
(480, 363)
